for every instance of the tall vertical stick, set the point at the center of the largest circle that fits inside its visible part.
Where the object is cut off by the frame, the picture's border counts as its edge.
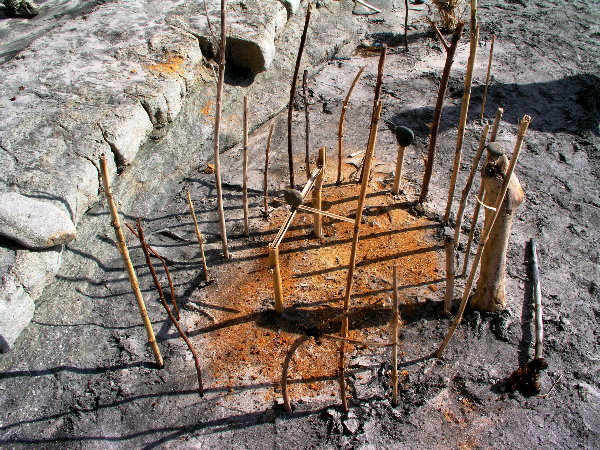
(496, 126)
(217, 132)
(467, 189)
(293, 95)
(464, 112)
(266, 174)
(277, 282)
(486, 232)
(122, 246)
(378, 86)
(352, 264)
(406, 25)
(199, 236)
(317, 193)
(306, 123)
(245, 169)
(394, 330)
(161, 295)
(487, 77)
(437, 115)
(341, 123)
(449, 295)
(537, 297)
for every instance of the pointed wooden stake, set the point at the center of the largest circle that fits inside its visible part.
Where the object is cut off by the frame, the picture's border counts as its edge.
(122, 245)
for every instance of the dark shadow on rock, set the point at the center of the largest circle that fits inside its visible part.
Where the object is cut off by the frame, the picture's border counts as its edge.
(237, 75)
(570, 105)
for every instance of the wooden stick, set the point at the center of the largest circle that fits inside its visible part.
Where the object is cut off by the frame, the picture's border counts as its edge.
(284, 371)
(161, 295)
(378, 86)
(277, 283)
(245, 170)
(366, 5)
(167, 273)
(486, 232)
(199, 237)
(398, 173)
(467, 189)
(122, 246)
(341, 123)
(324, 213)
(496, 126)
(537, 297)
(317, 193)
(352, 265)
(306, 122)
(439, 34)
(217, 132)
(394, 331)
(472, 231)
(266, 173)
(437, 115)
(293, 94)
(464, 112)
(487, 77)
(449, 295)
(406, 25)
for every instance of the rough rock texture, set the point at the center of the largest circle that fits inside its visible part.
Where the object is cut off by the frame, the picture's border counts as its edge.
(25, 9)
(34, 223)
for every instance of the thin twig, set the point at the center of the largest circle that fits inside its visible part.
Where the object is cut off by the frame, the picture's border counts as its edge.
(293, 94)
(394, 331)
(487, 77)
(449, 295)
(366, 5)
(122, 246)
(284, 371)
(306, 123)
(245, 170)
(486, 232)
(406, 25)
(161, 295)
(199, 236)
(266, 173)
(496, 126)
(437, 115)
(341, 123)
(439, 34)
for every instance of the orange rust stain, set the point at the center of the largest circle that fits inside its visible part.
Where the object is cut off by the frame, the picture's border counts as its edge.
(251, 348)
(172, 66)
(207, 108)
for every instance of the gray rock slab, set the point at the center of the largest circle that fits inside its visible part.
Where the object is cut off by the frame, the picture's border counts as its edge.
(16, 311)
(34, 223)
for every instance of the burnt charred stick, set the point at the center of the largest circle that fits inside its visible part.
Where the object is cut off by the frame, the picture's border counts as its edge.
(406, 25)
(462, 123)
(487, 77)
(306, 123)
(161, 296)
(524, 125)
(437, 115)
(266, 172)
(122, 246)
(490, 293)
(378, 86)
(293, 95)
(467, 189)
(167, 273)
(404, 137)
(199, 237)
(217, 132)
(537, 297)
(394, 331)
(341, 123)
(245, 170)
(352, 265)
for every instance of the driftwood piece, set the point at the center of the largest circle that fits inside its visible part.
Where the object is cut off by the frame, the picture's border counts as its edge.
(293, 95)
(352, 265)
(122, 246)
(490, 293)
(437, 115)
(217, 131)
(245, 170)
(306, 123)
(266, 172)
(462, 123)
(341, 123)
(524, 125)
(199, 237)
(163, 301)
(487, 77)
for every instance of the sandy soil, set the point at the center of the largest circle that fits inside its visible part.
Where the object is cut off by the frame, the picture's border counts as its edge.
(82, 376)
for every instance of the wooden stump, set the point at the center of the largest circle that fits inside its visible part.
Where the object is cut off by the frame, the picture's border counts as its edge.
(490, 294)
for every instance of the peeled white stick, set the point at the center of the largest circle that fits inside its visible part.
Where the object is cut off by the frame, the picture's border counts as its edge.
(404, 137)
(486, 232)
(122, 246)
(366, 5)
(537, 297)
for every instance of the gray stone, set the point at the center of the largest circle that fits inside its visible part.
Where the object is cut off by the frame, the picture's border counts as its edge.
(25, 9)
(34, 270)
(34, 223)
(16, 311)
